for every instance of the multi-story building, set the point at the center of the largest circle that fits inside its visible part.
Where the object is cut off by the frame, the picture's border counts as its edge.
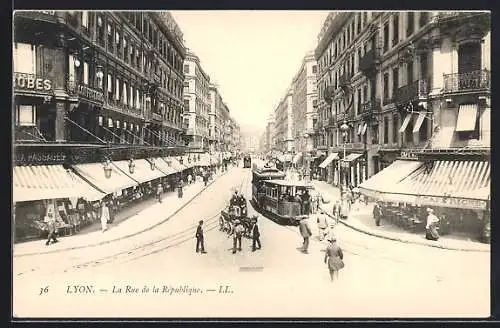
(234, 141)
(97, 77)
(219, 121)
(270, 142)
(394, 85)
(304, 112)
(196, 103)
(397, 67)
(283, 115)
(250, 142)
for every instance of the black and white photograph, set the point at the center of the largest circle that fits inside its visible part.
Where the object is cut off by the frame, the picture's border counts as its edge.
(251, 164)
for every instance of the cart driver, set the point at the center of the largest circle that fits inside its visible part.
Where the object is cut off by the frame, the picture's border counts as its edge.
(234, 199)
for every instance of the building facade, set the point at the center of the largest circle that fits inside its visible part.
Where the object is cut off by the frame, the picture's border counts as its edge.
(284, 131)
(303, 111)
(270, 142)
(400, 81)
(97, 77)
(197, 103)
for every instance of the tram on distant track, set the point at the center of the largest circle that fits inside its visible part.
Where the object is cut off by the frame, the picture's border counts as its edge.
(247, 161)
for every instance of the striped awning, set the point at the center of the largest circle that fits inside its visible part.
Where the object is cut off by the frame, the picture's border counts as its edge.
(463, 184)
(178, 167)
(328, 160)
(50, 182)
(351, 157)
(165, 166)
(467, 116)
(143, 170)
(405, 123)
(383, 184)
(94, 173)
(458, 184)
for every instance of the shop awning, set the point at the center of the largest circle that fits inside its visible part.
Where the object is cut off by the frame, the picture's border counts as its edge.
(418, 123)
(164, 167)
(443, 138)
(467, 115)
(94, 173)
(296, 158)
(351, 157)
(457, 184)
(461, 184)
(404, 125)
(328, 160)
(49, 182)
(143, 171)
(178, 167)
(383, 184)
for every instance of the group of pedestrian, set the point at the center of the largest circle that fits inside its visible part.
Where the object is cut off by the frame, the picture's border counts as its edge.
(237, 232)
(333, 254)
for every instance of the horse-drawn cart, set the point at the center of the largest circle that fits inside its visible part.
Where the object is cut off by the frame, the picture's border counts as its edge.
(232, 213)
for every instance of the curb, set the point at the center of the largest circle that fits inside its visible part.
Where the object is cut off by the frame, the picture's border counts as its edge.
(126, 236)
(405, 240)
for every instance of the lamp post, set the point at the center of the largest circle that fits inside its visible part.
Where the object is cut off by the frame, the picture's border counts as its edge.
(344, 128)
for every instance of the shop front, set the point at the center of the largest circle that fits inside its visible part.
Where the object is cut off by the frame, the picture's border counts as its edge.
(457, 190)
(327, 167)
(39, 189)
(352, 169)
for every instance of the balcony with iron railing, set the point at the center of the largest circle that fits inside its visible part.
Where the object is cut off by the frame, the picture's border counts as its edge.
(479, 80)
(417, 90)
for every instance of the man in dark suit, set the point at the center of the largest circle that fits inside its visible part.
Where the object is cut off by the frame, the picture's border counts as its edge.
(305, 232)
(200, 245)
(255, 235)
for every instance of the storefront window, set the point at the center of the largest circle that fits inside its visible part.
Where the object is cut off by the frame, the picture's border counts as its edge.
(26, 115)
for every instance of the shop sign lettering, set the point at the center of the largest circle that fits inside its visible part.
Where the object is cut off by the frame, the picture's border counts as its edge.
(40, 158)
(31, 82)
(89, 93)
(453, 202)
(408, 155)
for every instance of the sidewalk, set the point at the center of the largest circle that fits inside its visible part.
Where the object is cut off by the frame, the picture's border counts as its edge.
(361, 219)
(129, 222)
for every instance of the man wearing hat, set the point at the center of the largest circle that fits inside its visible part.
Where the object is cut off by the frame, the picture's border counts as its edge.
(51, 224)
(305, 232)
(200, 242)
(255, 234)
(432, 225)
(237, 233)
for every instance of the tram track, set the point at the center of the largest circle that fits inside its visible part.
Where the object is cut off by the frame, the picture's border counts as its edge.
(210, 223)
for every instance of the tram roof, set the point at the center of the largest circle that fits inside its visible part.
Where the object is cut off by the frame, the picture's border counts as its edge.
(289, 183)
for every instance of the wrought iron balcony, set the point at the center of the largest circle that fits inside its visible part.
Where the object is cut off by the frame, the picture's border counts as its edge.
(414, 91)
(471, 81)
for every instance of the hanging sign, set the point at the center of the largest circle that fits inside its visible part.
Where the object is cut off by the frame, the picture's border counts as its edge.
(26, 81)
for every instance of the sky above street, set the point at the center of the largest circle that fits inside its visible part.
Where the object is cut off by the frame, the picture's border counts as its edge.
(252, 55)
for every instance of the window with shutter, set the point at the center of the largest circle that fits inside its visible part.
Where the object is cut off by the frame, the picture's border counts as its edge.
(469, 57)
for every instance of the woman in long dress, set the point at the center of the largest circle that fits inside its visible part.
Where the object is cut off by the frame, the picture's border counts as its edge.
(432, 226)
(104, 216)
(334, 257)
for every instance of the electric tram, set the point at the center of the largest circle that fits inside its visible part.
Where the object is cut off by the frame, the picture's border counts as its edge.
(247, 161)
